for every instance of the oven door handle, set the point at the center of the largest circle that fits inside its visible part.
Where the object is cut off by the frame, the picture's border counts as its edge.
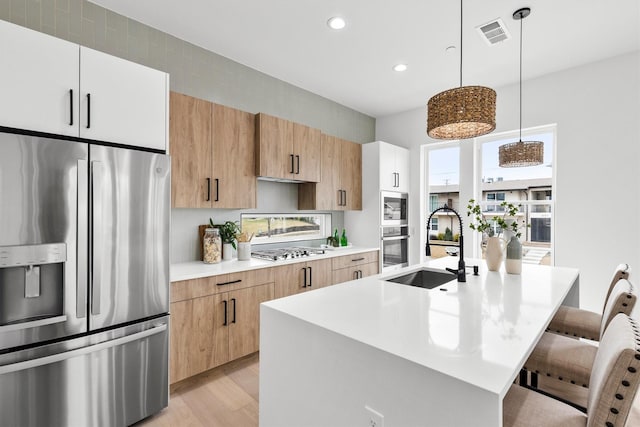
(395, 238)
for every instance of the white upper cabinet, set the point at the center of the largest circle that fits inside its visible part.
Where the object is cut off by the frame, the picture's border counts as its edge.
(394, 168)
(55, 86)
(38, 81)
(121, 101)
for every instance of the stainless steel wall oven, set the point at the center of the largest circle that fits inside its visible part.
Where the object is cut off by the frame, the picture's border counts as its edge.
(395, 246)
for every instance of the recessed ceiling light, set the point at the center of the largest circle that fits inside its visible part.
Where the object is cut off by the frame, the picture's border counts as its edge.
(336, 23)
(400, 67)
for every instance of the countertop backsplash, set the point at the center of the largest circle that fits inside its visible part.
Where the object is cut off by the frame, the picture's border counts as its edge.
(273, 197)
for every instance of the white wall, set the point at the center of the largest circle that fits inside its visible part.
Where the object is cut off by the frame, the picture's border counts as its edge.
(597, 111)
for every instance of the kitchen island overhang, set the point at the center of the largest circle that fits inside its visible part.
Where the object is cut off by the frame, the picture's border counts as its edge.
(414, 355)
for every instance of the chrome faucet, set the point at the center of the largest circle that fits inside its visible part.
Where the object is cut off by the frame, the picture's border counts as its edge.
(461, 271)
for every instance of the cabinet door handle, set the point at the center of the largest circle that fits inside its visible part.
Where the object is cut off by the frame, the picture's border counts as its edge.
(358, 259)
(229, 283)
(71, 107)
(345, 198)
(297, 164)
(88, 110)
(310, 277)
(217, 190)
(291, 156)
(208, 189)
(360, 274)
(304, 283)
(355, 274)
(225, 313)
(234, 310)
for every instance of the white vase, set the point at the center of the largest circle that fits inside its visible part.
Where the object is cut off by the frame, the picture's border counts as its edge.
(494, 253)
(227, 251)
(244, 251)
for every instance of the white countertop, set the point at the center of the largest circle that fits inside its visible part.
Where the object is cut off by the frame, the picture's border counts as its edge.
(197, 269)
(480, 332)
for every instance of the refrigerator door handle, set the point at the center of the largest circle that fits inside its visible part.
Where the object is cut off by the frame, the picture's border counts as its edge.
(97, 173)
(59, 357)
(81, 239)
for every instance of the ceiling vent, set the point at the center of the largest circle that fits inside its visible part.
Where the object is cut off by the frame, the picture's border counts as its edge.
(494, 32)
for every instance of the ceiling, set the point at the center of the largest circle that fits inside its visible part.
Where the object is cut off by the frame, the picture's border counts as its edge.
(289, 40)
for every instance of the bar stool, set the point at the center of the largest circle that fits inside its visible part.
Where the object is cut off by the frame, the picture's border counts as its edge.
(613, 387)
(582, 323)
(569, 359)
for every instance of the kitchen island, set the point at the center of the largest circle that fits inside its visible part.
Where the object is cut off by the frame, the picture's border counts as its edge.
(439, 357)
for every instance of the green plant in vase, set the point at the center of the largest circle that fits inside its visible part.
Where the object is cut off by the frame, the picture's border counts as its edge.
(228, 232)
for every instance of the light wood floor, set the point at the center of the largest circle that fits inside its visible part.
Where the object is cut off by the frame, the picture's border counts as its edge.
(228, 397)
(222, 397)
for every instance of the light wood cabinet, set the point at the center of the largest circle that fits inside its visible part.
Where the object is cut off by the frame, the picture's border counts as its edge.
(55, 86)
(286, 150)
(340, 187)
(303, 276)
(212, 155)
(216, 319)
(356, 266)
(190, 149)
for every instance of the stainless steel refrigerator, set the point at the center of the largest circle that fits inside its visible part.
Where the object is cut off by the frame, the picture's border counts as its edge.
(84, 282)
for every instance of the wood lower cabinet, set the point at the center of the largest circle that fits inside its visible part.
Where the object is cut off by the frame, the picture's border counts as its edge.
(244, 319)
(355, 272)
(292, 279)
(340, 187)
(216, 319)
(212, 155)
(356, 266)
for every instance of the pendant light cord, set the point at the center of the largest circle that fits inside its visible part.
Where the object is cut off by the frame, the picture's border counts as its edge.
(521, 19)
(460, 43)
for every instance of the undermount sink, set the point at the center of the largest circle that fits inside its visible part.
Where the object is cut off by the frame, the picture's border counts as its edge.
(424, 278)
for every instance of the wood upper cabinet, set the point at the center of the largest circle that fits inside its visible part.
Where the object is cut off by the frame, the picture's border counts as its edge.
(233, 177)
(307, 151)
(212, 155)
(286, 150)
(190, 149)
(341, 185)
(351, 175)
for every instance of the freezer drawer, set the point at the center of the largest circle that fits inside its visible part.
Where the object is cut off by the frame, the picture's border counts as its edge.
(114, 378)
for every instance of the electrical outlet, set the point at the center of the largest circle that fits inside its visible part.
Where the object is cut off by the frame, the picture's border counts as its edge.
(375, 418)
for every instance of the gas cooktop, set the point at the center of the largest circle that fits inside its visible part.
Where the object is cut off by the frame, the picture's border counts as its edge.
(286, 253)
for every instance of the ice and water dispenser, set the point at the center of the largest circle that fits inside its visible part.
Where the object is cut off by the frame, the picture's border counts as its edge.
(31, 283)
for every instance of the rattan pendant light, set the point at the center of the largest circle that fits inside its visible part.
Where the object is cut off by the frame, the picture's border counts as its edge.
(463, 112)
(520, 154)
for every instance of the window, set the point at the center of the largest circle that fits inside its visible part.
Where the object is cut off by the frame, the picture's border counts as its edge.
(433, 202)
(434, 224)
(273, 228)
(497, 198)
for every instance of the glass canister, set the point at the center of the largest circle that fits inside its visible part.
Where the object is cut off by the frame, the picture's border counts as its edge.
(211, 246)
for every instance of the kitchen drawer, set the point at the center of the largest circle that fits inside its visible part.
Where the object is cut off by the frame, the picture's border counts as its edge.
(195, 288)
(355, 272)
(355, 259)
